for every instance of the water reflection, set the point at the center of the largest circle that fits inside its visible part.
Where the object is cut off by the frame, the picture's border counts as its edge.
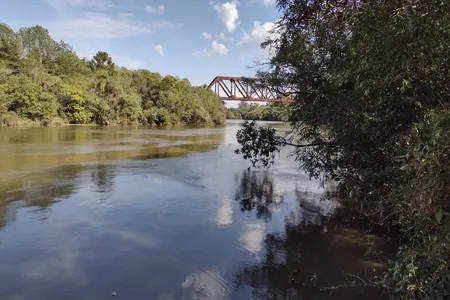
(33, 149)
(102, 176)
(62, 266)
(42, 166)
(162, 214)
(224, 214)
(255, 189)
(252, 238)
(37, 191)
(314, 253)
(204, 286)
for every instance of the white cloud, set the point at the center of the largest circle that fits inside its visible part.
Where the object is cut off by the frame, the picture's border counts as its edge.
(258, 35)
(217, 49)
(206, 36)
(228, 14)
(264, 2)
(159, 49)
(127, 62)
(98, 4)
(85, 55)
(155, 9)
(225, 38)
(103, 26)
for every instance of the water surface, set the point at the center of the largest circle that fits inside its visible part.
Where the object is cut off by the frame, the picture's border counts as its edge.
(166, 214)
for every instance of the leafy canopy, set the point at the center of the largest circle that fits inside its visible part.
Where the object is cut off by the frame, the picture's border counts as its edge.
(44, 81)
(370, 80)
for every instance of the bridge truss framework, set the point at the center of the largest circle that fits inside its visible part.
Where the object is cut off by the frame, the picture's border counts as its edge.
(247, 89)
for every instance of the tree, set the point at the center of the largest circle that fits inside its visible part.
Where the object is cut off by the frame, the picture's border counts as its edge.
(29, 101)
(102, 62)
(274, 111)
(38, 39)
(74, 105)
(9, 46)
(68, 63)
(365, 75)
(42, 80)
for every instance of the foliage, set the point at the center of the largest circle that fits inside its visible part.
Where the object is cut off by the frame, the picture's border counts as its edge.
(102, 61)
(274, 111)
(422, 191)
(28, 99)
(259, 144)
(73, 105)
(370, 80)
(42, 80)
(9, 45)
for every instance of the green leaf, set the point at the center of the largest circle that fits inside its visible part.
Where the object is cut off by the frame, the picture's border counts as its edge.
(439, 216)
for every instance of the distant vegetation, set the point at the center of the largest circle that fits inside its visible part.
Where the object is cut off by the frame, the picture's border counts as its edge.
(275, 111)
(44, 82)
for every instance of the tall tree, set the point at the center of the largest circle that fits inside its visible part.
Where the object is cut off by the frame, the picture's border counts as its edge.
(9, 45)
(366, 76)
(38, 39)
(102, 61)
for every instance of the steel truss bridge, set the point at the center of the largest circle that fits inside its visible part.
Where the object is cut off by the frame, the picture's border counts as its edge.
(247, 89)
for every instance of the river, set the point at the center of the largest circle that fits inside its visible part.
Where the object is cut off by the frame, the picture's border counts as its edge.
(163, 214)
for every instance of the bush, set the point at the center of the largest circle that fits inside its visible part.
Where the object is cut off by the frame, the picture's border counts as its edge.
(163, 117)
(57, 121)
(421, 203)
(11, 119)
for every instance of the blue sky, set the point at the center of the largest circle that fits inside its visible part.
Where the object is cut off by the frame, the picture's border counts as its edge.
(194, 39)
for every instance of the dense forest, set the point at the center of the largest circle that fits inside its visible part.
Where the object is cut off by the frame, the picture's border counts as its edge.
(43, 81)
(275, 111)
(372, 112)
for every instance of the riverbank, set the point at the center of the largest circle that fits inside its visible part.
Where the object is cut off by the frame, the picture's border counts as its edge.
(12, 120)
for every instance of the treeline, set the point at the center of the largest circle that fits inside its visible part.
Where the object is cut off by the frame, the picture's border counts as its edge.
(275, 111)
(43, 81)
